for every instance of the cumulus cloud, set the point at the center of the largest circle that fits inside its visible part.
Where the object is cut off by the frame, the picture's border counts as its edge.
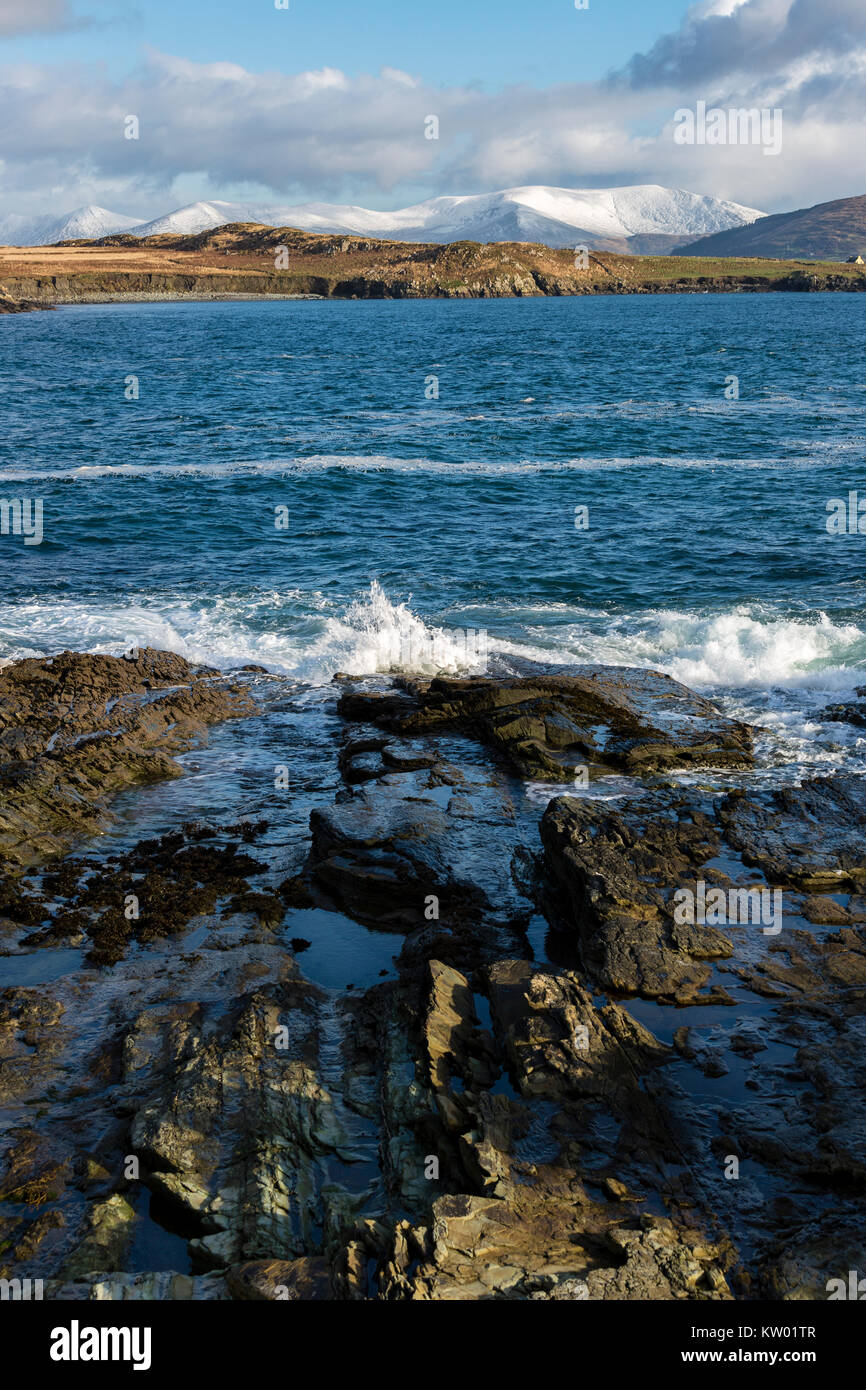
(718, 41)
(324, 133)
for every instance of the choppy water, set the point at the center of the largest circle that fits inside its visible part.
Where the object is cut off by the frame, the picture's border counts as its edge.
(410, 517)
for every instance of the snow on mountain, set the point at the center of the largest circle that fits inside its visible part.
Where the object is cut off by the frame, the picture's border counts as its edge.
(556, 216)
(552, 215)
(88, 222)
(201, 217)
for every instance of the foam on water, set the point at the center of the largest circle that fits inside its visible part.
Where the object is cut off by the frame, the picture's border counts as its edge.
(744, 648)
(290, 633)
(302, 634)
(382, 463)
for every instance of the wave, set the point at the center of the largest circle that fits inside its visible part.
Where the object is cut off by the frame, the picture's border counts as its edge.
(290, 633)
(382, 463)
(744, 648)
(312, 636)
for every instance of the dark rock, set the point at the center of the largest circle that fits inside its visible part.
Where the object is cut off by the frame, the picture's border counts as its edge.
(606, 717)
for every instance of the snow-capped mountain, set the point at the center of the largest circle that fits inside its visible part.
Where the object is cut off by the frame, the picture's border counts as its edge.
(202, 217)
(555, 216)
(552, 215)
(88, 222)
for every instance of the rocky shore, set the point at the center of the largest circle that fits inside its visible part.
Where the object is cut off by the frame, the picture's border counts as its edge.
(8, 305)
(558, 1086)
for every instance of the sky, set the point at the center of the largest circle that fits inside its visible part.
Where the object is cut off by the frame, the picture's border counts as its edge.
(329, 100)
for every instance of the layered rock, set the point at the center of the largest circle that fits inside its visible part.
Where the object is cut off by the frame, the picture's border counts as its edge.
(76, 728)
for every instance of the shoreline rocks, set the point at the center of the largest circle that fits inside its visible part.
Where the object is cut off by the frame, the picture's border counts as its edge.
(76, 728)
(547, 1094)
(602, 718)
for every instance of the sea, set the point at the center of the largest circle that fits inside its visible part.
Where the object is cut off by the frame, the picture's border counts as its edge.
(454, 486)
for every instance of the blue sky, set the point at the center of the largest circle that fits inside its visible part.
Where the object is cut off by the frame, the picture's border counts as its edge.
(492, 42)
(327, 101)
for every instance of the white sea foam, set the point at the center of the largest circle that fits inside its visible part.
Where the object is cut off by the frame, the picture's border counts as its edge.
(307, 634)
(742, 648)
(288, 632)
(382, 463)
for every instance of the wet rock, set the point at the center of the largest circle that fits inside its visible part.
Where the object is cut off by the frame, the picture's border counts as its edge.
(850, 712)
(549, 1241)
(110, 1229)
(825, 912)
(615, 872)
(249, 1176)
(454, 1043)
(164, 1286)
(385, 850)
(35, 1170)
(389, 1144)
(559, 1043)
(76, 728)
(808, 837)
(30, 1038)
(307, 1279)
(622, 718)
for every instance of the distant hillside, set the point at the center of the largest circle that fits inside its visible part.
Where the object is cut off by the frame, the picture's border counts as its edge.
(826, 232)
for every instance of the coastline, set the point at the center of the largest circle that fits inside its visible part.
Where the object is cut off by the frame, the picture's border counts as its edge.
(238, 262)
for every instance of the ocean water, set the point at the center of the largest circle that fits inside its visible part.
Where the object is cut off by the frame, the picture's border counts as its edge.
(322, 487)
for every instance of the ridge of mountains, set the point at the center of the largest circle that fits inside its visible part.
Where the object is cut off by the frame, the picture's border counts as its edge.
(641, 219)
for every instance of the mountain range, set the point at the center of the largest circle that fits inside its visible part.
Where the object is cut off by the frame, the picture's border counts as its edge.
(643, 218)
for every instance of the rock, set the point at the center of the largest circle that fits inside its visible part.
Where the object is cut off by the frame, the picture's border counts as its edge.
(454, 1043)
(559, 1043)
(384, 851)
(850, 712)
(555, 1244)
(307, 1279)
(825, 912)
(614, 872)
(164, 1286)
(76, 728)
(485, 1125)
(608, 718)
(110, 1230)
(615, 1190)
(248, 1176)
(8, 305)
(808, 837)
